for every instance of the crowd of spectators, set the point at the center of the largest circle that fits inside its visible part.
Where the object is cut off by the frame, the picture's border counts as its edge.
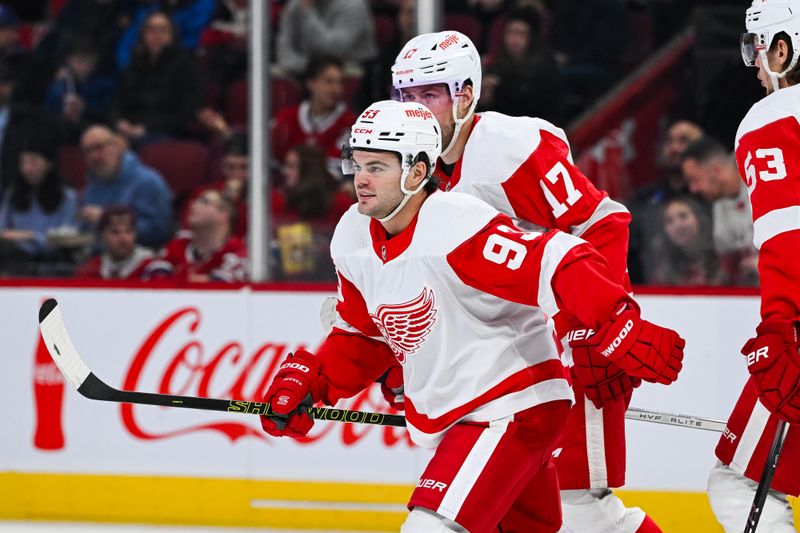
(123, 152)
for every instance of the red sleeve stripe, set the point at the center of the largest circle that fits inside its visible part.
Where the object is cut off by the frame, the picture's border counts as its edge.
(554, 251)
(605, 208)
(774, 223)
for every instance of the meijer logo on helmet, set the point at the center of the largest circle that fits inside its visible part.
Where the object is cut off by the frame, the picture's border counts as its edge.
(449, 41)
(419, 113)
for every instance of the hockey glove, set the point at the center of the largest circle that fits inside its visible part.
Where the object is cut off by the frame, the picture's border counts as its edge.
(640, 348)
(392, 387)
(603, 381)
(774, 362)
(290, 395)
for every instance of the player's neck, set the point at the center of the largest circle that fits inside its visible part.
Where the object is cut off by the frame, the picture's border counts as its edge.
(457, 150)
(403, 219)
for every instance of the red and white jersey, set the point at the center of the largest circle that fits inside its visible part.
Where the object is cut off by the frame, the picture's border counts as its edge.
(523, 167)
(295, 125)
(768, 156)
(461, 299)
(180, 259)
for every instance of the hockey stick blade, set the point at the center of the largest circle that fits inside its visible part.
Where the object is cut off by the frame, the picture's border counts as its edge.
(68, 360)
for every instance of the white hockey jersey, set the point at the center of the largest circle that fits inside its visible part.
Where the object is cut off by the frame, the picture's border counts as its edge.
(523, 167)
(462, 298)
(768, 157)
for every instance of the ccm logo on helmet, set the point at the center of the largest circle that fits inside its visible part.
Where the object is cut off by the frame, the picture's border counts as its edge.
(419, 113)
(296, 366)
(616, 342)
(448, 42)
(362, 130)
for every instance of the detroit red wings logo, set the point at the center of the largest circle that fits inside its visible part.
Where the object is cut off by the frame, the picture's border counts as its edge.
(406, 325)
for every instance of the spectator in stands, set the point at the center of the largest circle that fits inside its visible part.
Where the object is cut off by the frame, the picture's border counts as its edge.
(121, 258)
(304, 213)
(322, 120)
(162, 89)
(647, 202)
(684, 248)
(18, 122)
(191, 17)
(523, 79)
(225, 42)
(711, 173)
(99, 21)
(342, 28)
(79, 94)
(235, 167)
(117, 176)
(31, 77)
(36, 204)
(208, 251)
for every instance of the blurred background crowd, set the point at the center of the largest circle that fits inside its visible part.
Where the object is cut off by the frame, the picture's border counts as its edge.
(124, 154)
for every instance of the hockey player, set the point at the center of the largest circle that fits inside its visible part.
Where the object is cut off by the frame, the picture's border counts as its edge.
(768, 157)
(453, 291)
(523, 167)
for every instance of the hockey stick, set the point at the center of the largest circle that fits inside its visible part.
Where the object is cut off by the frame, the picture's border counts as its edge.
(766, 477)
(66, 357)
(69, 361)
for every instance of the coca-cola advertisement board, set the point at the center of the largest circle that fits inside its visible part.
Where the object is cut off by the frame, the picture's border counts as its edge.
(227, 344)
(221, 344)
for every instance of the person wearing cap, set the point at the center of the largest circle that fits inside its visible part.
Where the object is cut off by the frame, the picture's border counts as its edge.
(458, 295)
(36, 203)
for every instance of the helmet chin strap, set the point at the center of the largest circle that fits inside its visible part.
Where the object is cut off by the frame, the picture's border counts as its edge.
(406, 196)
(775, 76)
(459, 122)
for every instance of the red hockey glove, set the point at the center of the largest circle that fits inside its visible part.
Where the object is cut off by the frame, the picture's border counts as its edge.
(290, 395)
(773, 360)
(392, 387)
(602, 380)
(640, 348)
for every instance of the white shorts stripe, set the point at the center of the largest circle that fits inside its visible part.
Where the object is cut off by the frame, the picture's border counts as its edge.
(774, 223)
(595, 446)
(606, 207)
(750, 437)
(472, 468)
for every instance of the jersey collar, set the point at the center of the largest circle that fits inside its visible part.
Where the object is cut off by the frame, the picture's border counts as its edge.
(389, 248)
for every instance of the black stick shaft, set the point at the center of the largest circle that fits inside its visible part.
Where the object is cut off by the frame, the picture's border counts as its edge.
(94, 388)
(766, 479)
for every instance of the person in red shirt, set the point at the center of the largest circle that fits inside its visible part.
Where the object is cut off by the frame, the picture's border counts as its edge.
(322, 120)
(208, 250)
(122, 258)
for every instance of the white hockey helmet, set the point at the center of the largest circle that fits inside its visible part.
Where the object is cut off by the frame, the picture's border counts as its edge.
(445, 57)
(406, 128)
(448, 57)
(764, 20)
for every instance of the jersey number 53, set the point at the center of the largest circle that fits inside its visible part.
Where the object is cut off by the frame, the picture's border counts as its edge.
(772, 162)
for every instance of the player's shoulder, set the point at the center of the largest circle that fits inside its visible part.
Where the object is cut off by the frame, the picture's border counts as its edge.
(504, 128)
(780, 105)
(447, 219)
(351, 232)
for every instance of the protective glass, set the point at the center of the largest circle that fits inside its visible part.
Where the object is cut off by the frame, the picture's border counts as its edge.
(750, 44)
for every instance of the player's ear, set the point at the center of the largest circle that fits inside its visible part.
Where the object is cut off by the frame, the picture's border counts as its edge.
(417, 174)
(465, 100)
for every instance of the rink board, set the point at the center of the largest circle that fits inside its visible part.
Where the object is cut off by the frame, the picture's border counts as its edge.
(150, 464)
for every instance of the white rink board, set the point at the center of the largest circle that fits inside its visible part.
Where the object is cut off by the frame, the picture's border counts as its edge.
(110, 327)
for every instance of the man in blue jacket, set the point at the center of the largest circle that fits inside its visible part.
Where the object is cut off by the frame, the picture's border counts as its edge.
(116, 176)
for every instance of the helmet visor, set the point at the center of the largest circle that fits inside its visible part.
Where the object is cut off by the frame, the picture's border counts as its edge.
(750, 44)
(348, 165)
